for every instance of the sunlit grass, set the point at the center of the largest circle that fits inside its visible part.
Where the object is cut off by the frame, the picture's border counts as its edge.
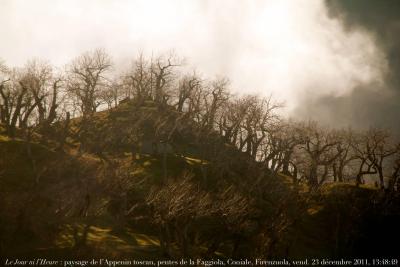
(194, 161)
(314, 209)
(4, 138)
(106, 238)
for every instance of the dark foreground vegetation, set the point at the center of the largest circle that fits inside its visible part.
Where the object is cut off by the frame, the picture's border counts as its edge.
(156, 164)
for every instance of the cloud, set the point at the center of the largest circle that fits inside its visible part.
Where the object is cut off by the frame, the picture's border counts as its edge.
(369, 104)
(291, 49)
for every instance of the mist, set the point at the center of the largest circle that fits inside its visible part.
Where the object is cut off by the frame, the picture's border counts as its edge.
(368, 104)
(295, 50)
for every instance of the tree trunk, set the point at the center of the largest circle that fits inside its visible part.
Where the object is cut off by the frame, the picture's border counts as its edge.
(359, 179)
(340, 173)
(285, 164)
(313, 178)
(381, 178)
(164, 163)
(335, 173)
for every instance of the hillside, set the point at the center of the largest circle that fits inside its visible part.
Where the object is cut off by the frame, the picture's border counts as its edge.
(134, 188)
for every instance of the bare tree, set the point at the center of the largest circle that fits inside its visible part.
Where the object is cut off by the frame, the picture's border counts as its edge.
(5, 94)
(86, 81)
(12, 100)
(87, 78)
(213, 99)
(138, 80)
(162, 76)
(346, 156)
(186, 89)
(362, 147)
(44, 88)
(320, 146)
(232, 116)
(394, 179)
(280, 147)
(111, 94)
(259, 124)
(373, 149)
(176, 206)
(384, 149)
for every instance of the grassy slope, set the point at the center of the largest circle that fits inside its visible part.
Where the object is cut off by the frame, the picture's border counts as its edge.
(106, 235)
(345, 220)
(64, 180)
(316, 234)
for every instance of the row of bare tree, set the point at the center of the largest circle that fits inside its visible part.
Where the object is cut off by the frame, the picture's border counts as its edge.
(38, 95)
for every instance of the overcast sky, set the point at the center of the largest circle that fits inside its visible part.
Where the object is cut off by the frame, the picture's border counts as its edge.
(290, 48)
